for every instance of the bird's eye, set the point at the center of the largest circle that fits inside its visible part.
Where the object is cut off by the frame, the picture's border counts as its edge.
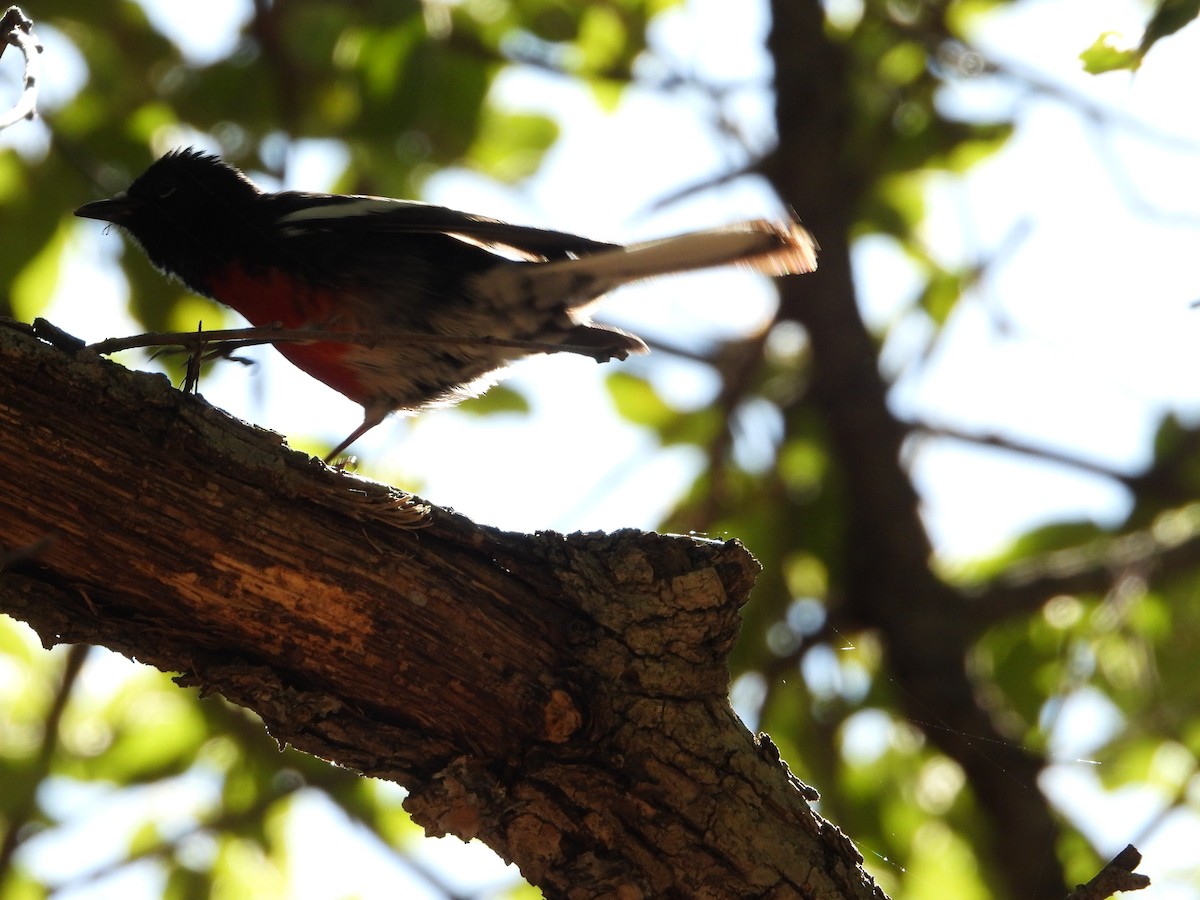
(165, 188)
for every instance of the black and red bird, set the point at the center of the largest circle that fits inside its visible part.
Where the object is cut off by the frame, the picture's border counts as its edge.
(331, 262)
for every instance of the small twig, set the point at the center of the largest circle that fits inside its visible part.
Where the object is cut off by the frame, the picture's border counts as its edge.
(22, 810)
(55, 336)
(1118, 875)
(16, 29)
(249, 337)
(1012, 445)
(692, 188)
(1088, 569)
(228, 821)
(191, 380)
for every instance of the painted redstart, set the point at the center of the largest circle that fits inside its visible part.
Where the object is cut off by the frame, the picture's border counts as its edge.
(330, 262)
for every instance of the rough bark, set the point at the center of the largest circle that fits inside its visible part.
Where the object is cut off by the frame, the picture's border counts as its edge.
(563, 698)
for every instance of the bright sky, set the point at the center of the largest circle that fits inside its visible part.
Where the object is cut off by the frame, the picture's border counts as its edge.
(1101, 339)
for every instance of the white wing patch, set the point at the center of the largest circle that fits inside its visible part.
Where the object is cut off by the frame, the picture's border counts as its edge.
(355, 206)
(310, 217)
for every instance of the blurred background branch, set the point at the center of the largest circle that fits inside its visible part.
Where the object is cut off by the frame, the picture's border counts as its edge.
(16, 30)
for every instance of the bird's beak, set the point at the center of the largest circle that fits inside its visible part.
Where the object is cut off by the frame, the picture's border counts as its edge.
(118, 209)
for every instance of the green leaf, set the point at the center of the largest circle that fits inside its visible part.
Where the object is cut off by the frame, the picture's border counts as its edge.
(903, 198)
(157, 731)
(144, 839)
(941, 294)
(185, 884)
(17, 642)
(602, 38)
(383, 55)
(803, 464)
(965, 17)
(943, 864)
(1083, 538)
(145, 122)
(637, 401)
(35, 283)
(606, 93)
(1104, 55)
(1170, 438)
(12, 178)
(192, 311)
(19, 885)
(903, 63)
(990, 140)
(510, 146)
(499, 399)
(243, 869)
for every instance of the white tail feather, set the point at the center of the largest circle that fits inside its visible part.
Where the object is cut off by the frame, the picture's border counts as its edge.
(768, 247)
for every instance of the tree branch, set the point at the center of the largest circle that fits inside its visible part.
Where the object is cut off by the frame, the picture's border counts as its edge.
(561, 698)
(1118, 875)
(1022, 448)
(16, 30)
(1169, 547)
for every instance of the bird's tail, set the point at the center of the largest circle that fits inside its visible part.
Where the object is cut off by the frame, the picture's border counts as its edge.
(772, 248)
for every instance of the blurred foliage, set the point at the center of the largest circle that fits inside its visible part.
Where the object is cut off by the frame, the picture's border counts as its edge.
(192, 794)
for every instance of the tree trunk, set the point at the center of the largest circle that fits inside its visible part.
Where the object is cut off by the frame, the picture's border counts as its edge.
(562, 698)
(926, 626)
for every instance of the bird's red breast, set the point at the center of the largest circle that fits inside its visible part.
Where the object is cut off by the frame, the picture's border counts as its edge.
(272, 297)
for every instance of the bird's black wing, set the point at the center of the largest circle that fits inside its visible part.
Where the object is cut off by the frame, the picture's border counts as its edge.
(296, 213)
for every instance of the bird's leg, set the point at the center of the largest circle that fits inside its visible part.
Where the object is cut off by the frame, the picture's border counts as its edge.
(372, 418)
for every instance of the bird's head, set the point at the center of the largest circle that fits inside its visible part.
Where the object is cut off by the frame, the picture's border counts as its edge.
(184, 210)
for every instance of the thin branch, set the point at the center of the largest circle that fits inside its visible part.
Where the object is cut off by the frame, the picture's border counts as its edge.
(1118, 875)
(24, 808)
(739, 363)
(334, 781)
(228, 820)
(953, 55)
(236, 338)
(1087, 570)
(1126, 186)
(703, 185)
(1100, 117)
(16, 29)
(1102, 113)
(1010, 445)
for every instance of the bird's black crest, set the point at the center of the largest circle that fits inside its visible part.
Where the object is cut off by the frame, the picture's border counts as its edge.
(193, 170)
